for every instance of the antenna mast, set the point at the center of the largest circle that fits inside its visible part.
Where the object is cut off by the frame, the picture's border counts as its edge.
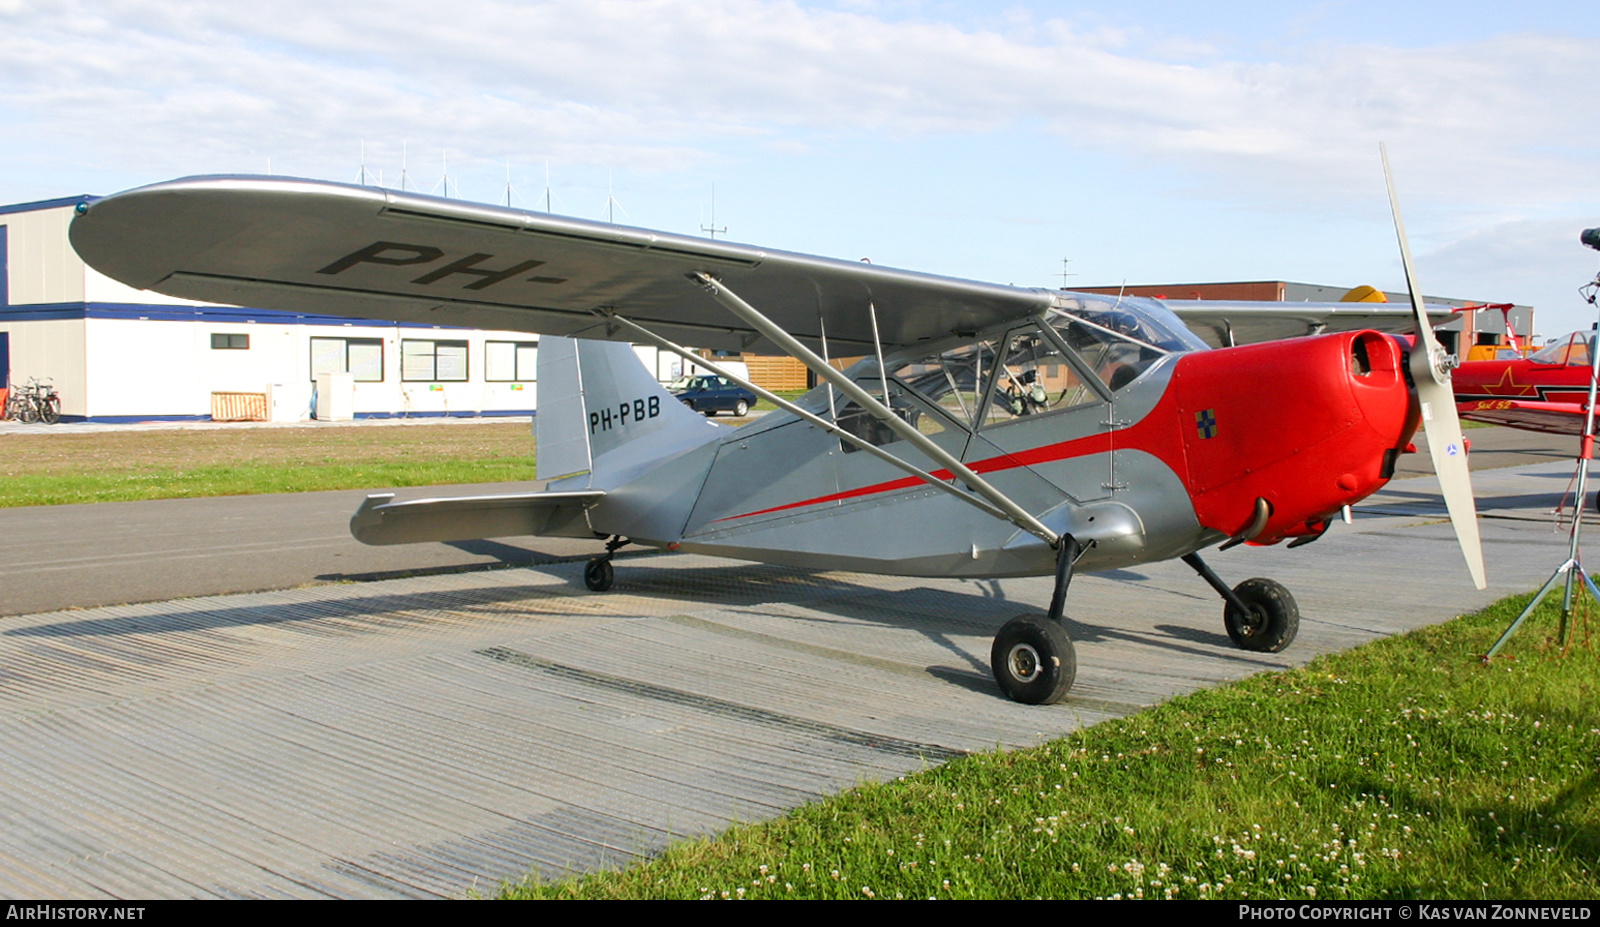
(712, 228)
(611, 201)
(362, 177)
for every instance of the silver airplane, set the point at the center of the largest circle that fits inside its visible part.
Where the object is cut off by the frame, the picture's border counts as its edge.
(989, 431)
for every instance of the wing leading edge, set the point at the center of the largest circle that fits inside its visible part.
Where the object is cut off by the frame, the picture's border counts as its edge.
(1225, 322)
(365, 252)
(1557, 418)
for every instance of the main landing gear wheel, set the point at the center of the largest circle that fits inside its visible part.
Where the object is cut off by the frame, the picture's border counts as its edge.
(1033, 660)
(598, 575)
(1273, 619)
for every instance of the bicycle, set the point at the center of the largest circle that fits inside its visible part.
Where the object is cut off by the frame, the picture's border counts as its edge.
(36, 401)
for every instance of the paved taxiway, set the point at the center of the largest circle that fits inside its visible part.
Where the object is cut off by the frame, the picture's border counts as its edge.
(77, 556)
(428, 735)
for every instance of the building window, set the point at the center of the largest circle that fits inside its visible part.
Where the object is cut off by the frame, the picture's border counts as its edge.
(510, 361)
(433, 361)
(361, 357)
(222, 342)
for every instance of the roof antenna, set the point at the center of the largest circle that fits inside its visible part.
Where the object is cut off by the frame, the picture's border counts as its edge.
(611, 201)
(712, 228)
(444, 181)
(1064, 274)
(362, 177)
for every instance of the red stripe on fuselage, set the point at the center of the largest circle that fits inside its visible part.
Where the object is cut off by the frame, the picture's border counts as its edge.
(1144, 436)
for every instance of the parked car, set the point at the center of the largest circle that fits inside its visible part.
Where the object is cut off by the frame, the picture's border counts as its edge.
(709, 395)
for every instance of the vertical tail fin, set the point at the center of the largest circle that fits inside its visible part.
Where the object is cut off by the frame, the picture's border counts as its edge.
(602, 414)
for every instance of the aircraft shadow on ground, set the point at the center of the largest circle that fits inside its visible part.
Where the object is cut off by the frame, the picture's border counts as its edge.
(506, 555)
(1411, 501)
(941, 615)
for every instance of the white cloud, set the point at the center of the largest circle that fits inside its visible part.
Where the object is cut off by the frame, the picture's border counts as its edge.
(1484, 134)
(149, 80)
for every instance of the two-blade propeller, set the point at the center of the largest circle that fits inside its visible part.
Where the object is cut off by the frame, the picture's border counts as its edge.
(1430, 370)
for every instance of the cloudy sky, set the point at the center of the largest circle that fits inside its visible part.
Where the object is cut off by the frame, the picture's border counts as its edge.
(1143, 141)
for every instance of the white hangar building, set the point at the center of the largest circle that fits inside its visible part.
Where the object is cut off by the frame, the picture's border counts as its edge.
(117, 354)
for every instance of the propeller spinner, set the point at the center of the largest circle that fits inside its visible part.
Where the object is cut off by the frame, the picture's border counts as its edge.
(1430, 371)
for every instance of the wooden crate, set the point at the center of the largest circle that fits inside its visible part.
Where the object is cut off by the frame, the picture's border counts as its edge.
(238, 407)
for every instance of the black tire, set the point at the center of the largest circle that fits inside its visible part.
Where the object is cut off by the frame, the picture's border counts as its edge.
(1273, 621)
(1033, 660)
(51, 411)
(28, 413)
(598, 575)
(740, 409)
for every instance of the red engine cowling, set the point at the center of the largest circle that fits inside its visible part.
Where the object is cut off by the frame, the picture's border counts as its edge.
(1309, 425)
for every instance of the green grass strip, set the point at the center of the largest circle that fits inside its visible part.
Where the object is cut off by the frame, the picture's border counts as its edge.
(250, 479)
(1402, 769)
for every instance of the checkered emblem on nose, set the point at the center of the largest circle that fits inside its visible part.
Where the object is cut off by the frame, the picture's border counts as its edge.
(1206, 422)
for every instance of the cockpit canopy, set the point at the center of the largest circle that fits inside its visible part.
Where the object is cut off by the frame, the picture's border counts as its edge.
(1082, 350)
(1568, 351)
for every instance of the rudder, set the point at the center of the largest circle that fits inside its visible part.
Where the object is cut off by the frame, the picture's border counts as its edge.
(601, 413)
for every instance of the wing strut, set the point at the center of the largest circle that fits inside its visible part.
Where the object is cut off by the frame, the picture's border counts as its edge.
(814, 419)
(1013, 512)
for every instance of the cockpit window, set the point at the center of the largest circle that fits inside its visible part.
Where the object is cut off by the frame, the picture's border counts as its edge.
(1141, 321)
(1571, 351)
(1034, 378)
(873, 430)
(1119, 342)
(954, 380)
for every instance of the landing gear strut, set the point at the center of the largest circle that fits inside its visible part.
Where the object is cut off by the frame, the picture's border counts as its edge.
(597, 573)
(1260, 615)
(1032, 657)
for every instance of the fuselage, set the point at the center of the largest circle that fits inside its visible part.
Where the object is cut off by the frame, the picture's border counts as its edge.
(1557, 373)
(1108, 421)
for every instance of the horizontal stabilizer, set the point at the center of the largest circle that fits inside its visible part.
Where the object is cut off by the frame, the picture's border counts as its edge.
(381, 520)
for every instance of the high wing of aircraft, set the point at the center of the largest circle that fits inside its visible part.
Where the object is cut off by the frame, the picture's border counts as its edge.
(991, 431)
(1223, 323)
(1546, 391)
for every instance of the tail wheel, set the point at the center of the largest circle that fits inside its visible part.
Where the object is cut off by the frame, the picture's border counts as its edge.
(1273, 619)
(1033, 660)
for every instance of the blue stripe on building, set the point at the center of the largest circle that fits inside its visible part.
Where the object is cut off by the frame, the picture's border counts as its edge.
(233, 315)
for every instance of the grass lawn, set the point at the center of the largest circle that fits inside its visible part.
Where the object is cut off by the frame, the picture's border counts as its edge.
(1402, 769)
(116, 466)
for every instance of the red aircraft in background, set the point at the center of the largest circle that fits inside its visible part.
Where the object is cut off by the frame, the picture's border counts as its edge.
(1546, 391)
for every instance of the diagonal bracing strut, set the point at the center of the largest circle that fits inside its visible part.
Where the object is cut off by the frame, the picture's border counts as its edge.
(787, 406)
(1013, 512)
